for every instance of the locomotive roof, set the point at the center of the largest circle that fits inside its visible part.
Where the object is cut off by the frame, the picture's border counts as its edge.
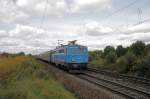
(64, 46)
(60, 47)
(70, 46)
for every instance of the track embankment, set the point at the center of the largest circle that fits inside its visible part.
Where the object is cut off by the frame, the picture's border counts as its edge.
(82, 88)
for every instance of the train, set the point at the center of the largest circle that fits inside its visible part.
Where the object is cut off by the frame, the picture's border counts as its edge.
(71, 57)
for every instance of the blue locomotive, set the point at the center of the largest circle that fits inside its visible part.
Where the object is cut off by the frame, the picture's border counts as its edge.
(71, 57)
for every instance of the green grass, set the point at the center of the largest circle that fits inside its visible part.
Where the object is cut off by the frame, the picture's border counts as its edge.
(28, 79)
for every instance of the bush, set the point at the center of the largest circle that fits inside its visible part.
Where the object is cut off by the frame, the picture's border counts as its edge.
(147, 56)
(138, 48)
(130, 61)
(95, 55)
(108, 49)
(143, 69)
(126, 63)
(120, 51)
(133, 59)
(97, 63)
(110, 58)
(147, 49)
(121, 67)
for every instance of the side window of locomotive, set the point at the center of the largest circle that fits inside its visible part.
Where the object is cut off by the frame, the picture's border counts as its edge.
(61, 51)
(54, 52)
(82, 49)
(66, 51)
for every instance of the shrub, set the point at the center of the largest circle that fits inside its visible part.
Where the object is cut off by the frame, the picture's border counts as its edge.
(97, 63)
(111, 58)
(121, 67)
(95, 55)
(108, 49)
(126, 63)
(148, 56)
(138, 48)
(143, 69)
(120, 51)
(147, 49)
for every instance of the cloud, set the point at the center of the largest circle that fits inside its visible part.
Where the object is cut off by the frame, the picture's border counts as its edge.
(96, 29)
(39, 7)
(136, 32)
(26, 32)
(26, 37)
(144, 27)
(100, 36)
(23, 28)
(19, 10)
(136, 36)
(23, 37)
(93, 28)
(60, 7)
(9, 12)
(140, 28)
(8, 43)
(84, 6)
(3, 34)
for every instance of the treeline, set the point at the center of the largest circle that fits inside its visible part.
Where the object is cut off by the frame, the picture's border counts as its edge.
(5, 54)
(134, 59)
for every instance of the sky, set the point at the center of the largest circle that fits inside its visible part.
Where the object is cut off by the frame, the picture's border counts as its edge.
(35, 26)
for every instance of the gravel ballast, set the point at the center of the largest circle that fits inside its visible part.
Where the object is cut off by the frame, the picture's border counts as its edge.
(81, 88)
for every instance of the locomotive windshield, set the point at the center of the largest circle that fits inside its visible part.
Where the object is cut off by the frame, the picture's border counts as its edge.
(77, 50)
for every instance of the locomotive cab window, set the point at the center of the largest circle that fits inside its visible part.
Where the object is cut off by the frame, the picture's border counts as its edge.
(82, 49)
(61, 51)
(77, 50)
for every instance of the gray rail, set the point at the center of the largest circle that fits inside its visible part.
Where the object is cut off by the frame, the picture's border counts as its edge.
(122, 76)
(128, 92)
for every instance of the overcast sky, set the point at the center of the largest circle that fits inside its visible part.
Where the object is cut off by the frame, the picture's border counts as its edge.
(34, 26)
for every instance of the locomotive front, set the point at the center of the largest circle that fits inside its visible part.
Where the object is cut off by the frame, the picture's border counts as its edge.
(76, 57)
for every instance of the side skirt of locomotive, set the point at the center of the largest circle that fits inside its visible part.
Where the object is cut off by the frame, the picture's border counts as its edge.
(71, 67)
(75, 67)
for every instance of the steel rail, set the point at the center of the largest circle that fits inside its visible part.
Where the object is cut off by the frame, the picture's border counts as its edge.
(145, 93)
(132, 78)
(107, 87)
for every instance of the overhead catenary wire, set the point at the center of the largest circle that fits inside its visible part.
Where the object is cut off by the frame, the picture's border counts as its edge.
(115, 12)
(139, 15)
(140, 21)
(143, 21)
(43, 16)
(121, 9)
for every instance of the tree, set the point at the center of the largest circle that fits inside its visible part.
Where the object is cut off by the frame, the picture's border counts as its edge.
(120, 51)
(108, 49)
(97, 54)
(21, 54)
(147, 49)
(130, 61)
(143, 69)
(138, 48)
(111, 57)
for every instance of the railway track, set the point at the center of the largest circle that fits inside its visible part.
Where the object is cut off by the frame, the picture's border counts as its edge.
(133, 79)
(128, 92)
